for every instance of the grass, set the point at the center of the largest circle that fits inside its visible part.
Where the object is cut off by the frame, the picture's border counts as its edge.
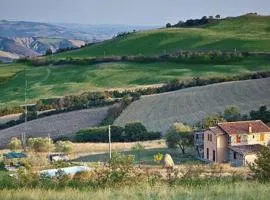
(147, 156)
(238, 191)
(191, 105)
(50, 81)
(245, 33)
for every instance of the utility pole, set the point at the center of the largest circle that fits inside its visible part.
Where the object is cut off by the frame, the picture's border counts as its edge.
(110, 143)
(25, 112)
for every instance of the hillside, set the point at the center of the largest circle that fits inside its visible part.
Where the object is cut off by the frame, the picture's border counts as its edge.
(57, 125)
(158, 112)
(20, 38)
(244, 33)
(55, 81)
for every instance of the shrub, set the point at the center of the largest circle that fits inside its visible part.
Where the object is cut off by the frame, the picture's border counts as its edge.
(40, 144)
(131, 133)
(15, 144)
(261, 165)
(63, 146)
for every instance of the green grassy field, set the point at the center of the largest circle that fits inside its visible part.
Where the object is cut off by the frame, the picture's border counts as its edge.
(233, 191)
(245, 33)
(147, 156)
(55, 81)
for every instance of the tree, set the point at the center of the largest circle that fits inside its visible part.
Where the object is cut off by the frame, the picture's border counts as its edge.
(63, 146)
(40, 144)
(138, 149)
(135, 131)
(217, 16)
(168, 25)
(179, 135)
(48, 52)
(231, 114)
(15, 144)
(212, 121)
(262, 114)
(261, 165)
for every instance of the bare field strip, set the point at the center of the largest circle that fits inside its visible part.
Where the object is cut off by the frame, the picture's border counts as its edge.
(56, 125)
(191, 105)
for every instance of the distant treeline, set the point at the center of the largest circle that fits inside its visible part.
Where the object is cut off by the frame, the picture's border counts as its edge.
(194, 22)
(188, 57)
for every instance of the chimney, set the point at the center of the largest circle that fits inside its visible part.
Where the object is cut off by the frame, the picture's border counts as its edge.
(249, 128)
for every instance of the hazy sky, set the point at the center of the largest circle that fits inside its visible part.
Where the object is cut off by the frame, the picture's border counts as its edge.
(140, 12)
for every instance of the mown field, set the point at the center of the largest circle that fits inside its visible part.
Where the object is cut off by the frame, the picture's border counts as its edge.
(244, 33)
(56, 125)
(55, 81)
(191, 105)
(147, 156)
(234, 191)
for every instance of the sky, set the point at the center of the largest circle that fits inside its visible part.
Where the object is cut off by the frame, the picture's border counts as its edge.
(129, 12)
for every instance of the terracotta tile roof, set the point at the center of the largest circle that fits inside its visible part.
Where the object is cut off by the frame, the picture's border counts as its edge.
(216, 130)
(242, 127)
(246, 149)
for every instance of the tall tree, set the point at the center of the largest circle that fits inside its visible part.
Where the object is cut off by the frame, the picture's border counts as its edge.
(179, 136)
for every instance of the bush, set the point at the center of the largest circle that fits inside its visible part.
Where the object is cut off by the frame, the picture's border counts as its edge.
(131, 133)
(40, 144)
(63, 146)
(15, 144)
(261, 165)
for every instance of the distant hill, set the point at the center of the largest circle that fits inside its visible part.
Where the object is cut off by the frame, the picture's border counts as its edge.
(20, 38)
(159, 112)
(243, 33)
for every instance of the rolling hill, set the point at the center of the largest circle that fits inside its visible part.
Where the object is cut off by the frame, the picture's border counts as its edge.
(244, 33)
(55, 81)
(159, 112)
(57, 125)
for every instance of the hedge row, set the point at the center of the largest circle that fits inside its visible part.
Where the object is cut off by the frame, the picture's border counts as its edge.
(130, 133)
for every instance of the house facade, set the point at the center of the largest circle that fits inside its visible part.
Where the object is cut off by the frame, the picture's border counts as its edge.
(235, 142)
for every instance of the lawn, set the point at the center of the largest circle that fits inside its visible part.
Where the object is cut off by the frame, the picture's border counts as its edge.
(55, 81)
(147, 156)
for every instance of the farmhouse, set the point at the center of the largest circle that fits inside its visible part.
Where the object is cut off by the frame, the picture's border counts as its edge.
(235, 142)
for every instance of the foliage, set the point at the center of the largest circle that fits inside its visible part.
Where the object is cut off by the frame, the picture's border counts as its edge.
(138, 149)
(15, 144)
(261, 165)
(131, 133)
(63, 146)
(158, 158)
(180, 136)
(212, 121)
(40, 144)
(261, 114)
(232, 114)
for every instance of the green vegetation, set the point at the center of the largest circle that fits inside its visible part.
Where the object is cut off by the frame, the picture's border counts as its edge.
(239, 191)
(179, 136)
(261, 165)
(244, 33)
(130, 133)
(54, 81)
(147, 156)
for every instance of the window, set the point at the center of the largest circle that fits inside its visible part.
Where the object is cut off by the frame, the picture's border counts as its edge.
(211, 137)
(207, 153)
(262, 137)
(234, 155)
(214, 155)
(238, 139)
(197, 136)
